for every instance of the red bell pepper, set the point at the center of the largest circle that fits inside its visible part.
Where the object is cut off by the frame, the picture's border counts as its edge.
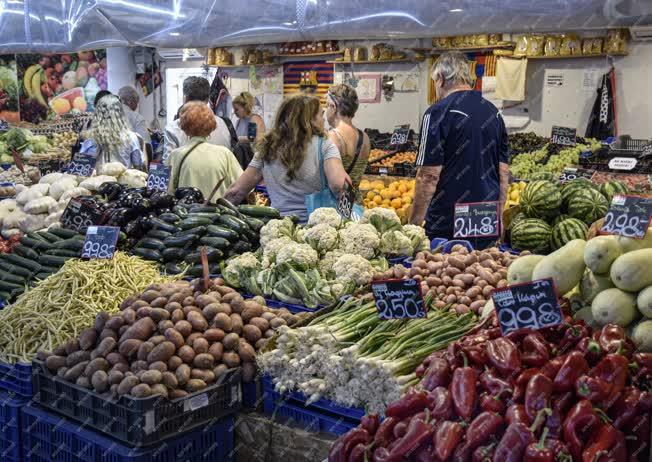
(385, 433)
(591, 350)
(462, 453)
(370, 422)
(521, 383)
(537, 451)
(379, 455)
(495, 385)
(482, 428)
(572, 336)
(554, 424)
(579, 424)
(503, 355)
(605, 441)
(516, 414)
(483, 453)
(438, 374)
(440, 403)
(401, 428)
(447, 437)
(573, 367)
(537, 395)
(626, 407)
(613, 339)
(536, 351)
(344, 445)
(418, 432)
(592, 388)
(562, 402)
(476, 354)
(463, 391)
(491, 403)
(643, 362)
(411, 403)
(551, 368)
(517, 438)
(559, 449)
(612, 369)
(358, 453)
(638, 436)
(425, 453)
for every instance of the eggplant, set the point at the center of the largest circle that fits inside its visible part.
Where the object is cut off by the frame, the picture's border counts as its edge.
(141, 205)
(189, 195)
(134, 229)
(111, 190)
(162, 200)
(142, 191)
(119, 216)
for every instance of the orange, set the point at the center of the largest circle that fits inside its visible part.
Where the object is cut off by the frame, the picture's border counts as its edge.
(370, 195)
(386, 193)
(396, 203)
(378, 200)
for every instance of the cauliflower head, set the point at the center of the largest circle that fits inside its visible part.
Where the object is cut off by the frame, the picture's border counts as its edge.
(382, 219)
(322, 237)
(275, 229)
(359, 239)
(326, 263)
(271, 249)
(396, 243)
(326, 215)
(299, 256)
(353, 268)
(418, 237)
(240, 268)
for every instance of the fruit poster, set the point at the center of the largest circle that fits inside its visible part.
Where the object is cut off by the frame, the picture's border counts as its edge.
(52, 85)
(8, 89)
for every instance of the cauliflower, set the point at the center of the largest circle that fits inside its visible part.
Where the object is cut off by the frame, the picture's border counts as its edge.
(321, 237)
(383, 219)
(271, 249)
(327, 261)
(359, 239)
(298, 256)
(353, 268)
(418, 237)
(239, 269)
(275, 229)
(327, 215)
(396, 243)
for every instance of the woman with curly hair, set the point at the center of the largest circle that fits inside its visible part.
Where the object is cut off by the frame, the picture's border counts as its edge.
(200, 164)
(109, 137)
(243, 115)
(290, 158)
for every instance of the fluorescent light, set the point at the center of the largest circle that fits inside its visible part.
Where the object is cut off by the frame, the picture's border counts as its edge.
(456, 10)
(289, 23)
(174, 34)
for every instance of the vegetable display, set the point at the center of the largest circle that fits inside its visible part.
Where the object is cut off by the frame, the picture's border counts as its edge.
(354, 358)
(171, 339)
(563, 393)
(58, 308)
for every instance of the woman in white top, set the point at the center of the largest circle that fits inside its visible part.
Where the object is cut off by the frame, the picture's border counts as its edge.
(288, 159)
(243, 115)
(110, 138)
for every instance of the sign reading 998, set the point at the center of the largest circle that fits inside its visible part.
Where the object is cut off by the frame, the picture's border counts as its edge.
(100, 242)
(398, 299)
(530, 305)
(158, 178)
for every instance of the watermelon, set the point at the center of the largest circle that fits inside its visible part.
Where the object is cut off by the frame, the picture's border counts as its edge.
(547, 176)
(587, 205)
(558, 218)
(531, 234)
(516, 218)
(540, 199)
(610, 188)
(567, 230)
(568, 189)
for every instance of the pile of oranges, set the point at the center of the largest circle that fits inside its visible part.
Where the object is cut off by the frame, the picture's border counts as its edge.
(397, 195)
(408, 157)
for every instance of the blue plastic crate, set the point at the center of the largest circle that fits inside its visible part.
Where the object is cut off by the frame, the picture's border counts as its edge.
(291, 307)
(10, 427)
(307, 419)
(397, 261)
(51, 438)
(16, 378)
(436, 242)
(251, 394)
(506, 248)
(448, 245)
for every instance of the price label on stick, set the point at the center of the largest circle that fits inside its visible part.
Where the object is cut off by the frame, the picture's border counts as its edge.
(158, 178)
(565, 136)
(400, 135)
(570, 174)
(49, 166)
(628, 216)
(79, 215)
(398, 299)
(346, 200)
(476, 219)
(81, 165)
(100, 242)
(530, 305)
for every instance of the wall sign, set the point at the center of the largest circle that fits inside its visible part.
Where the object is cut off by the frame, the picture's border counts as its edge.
(158, 177)
(476, 219)
(398, 299)
(100, 242)
(529, 305)
(565, 136)
(628, 216)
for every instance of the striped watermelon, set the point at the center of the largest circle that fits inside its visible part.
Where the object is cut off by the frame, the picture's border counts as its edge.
(610, 188)
(540, 199)
(567, 230)
(531, 234)
(558, 218)
(588, 205)
(547, 176)
(516, 218)
(568, 189)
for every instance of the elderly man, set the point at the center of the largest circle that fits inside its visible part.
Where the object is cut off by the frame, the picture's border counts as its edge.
(129, 97)
(463, 150)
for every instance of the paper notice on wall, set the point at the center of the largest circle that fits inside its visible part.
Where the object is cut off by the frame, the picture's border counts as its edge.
(555, 80)
(271, 102)
(590, 79)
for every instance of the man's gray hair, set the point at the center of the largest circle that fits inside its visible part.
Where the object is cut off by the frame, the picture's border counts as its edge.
(454, 68)
(129, 96)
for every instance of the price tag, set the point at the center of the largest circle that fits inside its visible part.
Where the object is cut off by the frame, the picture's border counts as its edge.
(346, 200)
(563, 135)
(622, 163)
(400, 135)
(49, 166)
(79, 215)
(100, 242)
(628, 216)
(476, 219)
(398, 299)
(570, 174)
(159, 177)
(18, 160)
(81, 165)
(530, 305)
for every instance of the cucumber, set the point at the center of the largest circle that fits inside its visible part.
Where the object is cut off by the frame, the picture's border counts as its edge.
(181, 241)
(26, 252)
(255, 223)
(169, 217)
(241, 247)
(213, 256)
(15, 270)
(5, 276)
(155, 223)
(221, 231)
(64, 253)
(234, 223)
(211, 216)
(199, 231)
(4, 296)
(74, 243)
(52, 260)
(147, 254)
(158, 234)
(63, 233)
(22, 261)
(150, 243)
(173, 268)
(215, 242)
(37, 237)
(49, 269)
(173, 254)
(51, 238)
(35, 244)
(42, 275)
(194, 222)
(259, 211)
(9, 286)
(180, 211)
(199, 208)
(198, 270)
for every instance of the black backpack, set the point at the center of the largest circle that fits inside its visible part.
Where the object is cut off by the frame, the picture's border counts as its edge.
(242, 151)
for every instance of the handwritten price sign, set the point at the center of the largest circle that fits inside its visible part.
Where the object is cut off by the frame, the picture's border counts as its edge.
(400, 135)
(564, 135)
(79, 215)
(628, 216)
(158, 178)
(345, 201)
(570, 174)
(398, 299)
(476, 219)
(81, 165)
(100, 242)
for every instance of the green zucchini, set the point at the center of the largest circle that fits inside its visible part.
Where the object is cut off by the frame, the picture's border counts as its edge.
(173, 268)
(173, 254)
(213, 255)
(259, 211)
(198, 270)
(181, 241)
(158, 234)
(34, 235)
(147, 254)
(199, 208)
(49, 269)
(211, 216)
(4, 296)
(225, 204)
(22, 261)
(5, 276)
(222, 231)
(42, 275)
(51, 238)
(233, 223)
(74, 243)
(9, 286)
(194, 222)
(52, 260)
(15, 269)
(64, 253)
(155, 223)
(215, 242)
(241, 247)
(36, 244)
(255, 223)
(199, 231)
(26, 252)
(63, 233)
(169, 217)
(181, 211)
(150, 243)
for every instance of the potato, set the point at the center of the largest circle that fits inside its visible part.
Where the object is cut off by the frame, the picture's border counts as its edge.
(216, 350)
(74, 372)
(461, 309)
(207, 375)
(173, 335)
(151, 377)
(159, 389)
(127, 302)
(195, 385)
(235, 301)
(219, 370)
(98, 364)
(55, 362)
(222, 321)
(261, 343)
(188, 301)
(77, 357)
(100, 381)
(173, 306)
(183, 327)
(177, 298)
(122, 330)
(261, 323)
(169, 380)
(61, 372)
(141, 390)
(174, 362)
(251, 310)
(72, 346)
(486, 292)
(248, 372)
(83, 382)
(144, 312)
(150, 295)
(502, 283)
(278, 322)
(176, 394)
(477, 305)
(115, 377)
(267, 315)
(186, 353)
(129, 348)
(144, 349)
(203, 361)
(252, 333)
(481, 284)
(459, 283)
(223, 290)
(190, 309)
(140, 330)
(231, 341)
(246, 352)
(160, 366)
(211, 310)
(159, 302)
(197, 321)
(269, 333)
(192, 337)
(214, 335)
(128, 316)
(231, 359)
(202, 300)
(177, 315)
(60, 351)
(161, 352)
(182, 374)
(139, 365)
(115, 358)
(200, 345)
(452, 298)
(473, 292)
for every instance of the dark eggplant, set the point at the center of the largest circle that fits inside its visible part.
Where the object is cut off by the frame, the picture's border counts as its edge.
(141, 205)
(111, 190)
(119, 216)
(180, 193)
(134, 228)
(162, 200)
(125, 200)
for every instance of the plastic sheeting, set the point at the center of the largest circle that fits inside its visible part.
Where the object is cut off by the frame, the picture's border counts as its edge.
(71, 25)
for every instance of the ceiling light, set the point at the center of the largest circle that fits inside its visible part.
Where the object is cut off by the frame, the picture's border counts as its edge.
(456, 10)
(175, 34)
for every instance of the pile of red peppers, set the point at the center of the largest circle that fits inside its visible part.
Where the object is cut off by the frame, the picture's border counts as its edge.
(8, 245)
(560, 394)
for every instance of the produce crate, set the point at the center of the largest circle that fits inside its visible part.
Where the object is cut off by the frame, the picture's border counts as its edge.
(402, 169)
(137, 421)
(322, 415)
(16, 378)
(251, 394)
(506, 248)
(10, 427)
(291, 307)
(49, 438)
(624, 147)
(437, 241)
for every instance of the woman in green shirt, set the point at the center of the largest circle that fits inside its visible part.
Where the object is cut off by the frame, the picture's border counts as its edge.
(200, 164)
